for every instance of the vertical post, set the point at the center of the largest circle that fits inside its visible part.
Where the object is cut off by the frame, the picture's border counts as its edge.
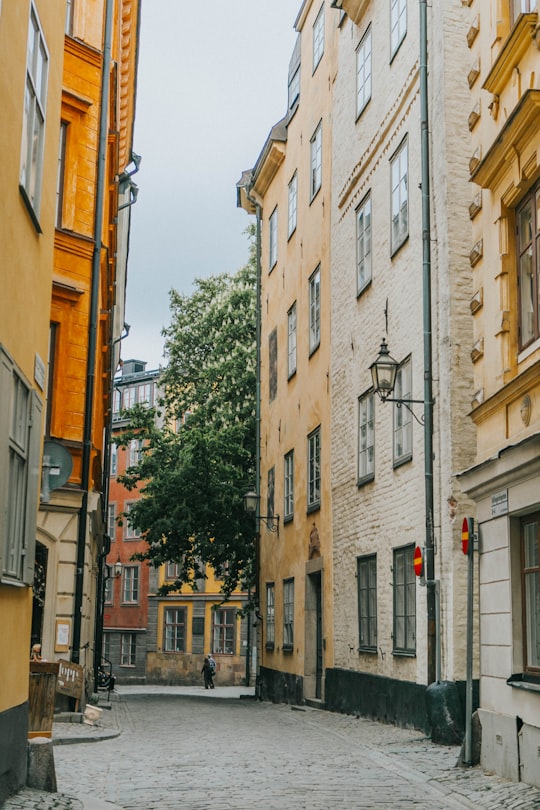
(469, 687)
(433, 629)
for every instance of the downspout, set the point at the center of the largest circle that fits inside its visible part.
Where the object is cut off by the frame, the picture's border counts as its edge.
(433, 629)
(92, 331)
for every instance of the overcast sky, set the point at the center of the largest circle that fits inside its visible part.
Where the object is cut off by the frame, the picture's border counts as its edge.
(212, 82)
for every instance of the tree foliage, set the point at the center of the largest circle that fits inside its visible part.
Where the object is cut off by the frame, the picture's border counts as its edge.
(198, 452)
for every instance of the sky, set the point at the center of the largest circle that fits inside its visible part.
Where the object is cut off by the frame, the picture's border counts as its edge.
(212, 82)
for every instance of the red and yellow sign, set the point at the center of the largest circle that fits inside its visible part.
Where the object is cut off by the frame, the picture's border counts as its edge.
(418, 562)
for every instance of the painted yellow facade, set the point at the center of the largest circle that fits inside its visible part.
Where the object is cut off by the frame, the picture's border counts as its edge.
(504, 163)
(290, 185)
(26, 235)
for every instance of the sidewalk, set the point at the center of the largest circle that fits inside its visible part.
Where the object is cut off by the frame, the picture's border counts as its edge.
(68, 729)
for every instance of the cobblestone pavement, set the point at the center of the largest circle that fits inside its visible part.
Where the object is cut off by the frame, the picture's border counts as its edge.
(196, 752)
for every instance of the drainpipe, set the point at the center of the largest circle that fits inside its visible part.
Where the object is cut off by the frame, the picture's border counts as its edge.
(92, 331)
(433, 628)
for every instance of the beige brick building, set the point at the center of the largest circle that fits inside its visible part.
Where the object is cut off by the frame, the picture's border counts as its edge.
(504, 117)
(378, 472)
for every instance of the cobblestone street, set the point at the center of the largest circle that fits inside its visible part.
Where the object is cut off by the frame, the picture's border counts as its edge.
(195, 751)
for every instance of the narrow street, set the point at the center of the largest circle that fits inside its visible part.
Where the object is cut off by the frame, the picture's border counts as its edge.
(200, 750)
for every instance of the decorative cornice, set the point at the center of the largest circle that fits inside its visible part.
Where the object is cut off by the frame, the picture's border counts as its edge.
(83, 51)
(76, 244)
(512, 391)
(512, 52)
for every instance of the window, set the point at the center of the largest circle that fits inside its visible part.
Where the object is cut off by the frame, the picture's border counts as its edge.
(291, 340)
(293, 190)
(37, 68)
(20, 445)
(69, 18)
(272, 365)
(131, 531)
(173, 570)
(223, 631)
(404, 601)
(316, 161)
(270, 615)
(135, 446)
(366, 438)
(367, 602)
(129, 397)
(363, 244)
(315, 310)
(402, 415)
(288, 486)
(117, 401)
(521, 7)
(363, 72)
(314, 469)
(111, 521)
(528, 246)
(175, 630)
(108, 586)
(318, 38)
(398, 23)
(60, 173)
(270, 493)
(146, 394)
(51, 372)
(114, 460)
(294, 76)
(530, 534)
(272, 255)
(288, 614)
(128, 648)
(130, 584)
(106, 646)
(400, 196)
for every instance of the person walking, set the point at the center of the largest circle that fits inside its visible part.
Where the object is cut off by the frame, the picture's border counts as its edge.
(207, 673)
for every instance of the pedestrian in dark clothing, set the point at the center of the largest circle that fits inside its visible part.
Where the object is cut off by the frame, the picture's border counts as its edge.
(207, 672)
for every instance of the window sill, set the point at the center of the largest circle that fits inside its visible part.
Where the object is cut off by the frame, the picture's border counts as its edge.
(367, 479)
(287, 648)
(404, 653)
(363, 287)
(367, 650)
(288, 519)
(30, 209)
(520, 680)
(398, 462)
(313, 508)
(269, 645)
(16, 583)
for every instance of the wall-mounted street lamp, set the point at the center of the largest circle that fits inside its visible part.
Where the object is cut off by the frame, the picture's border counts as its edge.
(251, 505)
(383, 374)
(117, 568)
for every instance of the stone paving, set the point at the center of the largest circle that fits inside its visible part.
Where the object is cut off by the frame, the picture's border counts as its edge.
(199, 750)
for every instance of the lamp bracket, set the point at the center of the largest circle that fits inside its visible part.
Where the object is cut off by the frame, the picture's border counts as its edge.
(271, 522)
(407, 403)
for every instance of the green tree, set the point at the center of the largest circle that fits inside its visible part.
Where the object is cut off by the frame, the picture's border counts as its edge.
(198, 456)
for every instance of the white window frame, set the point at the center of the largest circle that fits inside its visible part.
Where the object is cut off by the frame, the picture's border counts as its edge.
(366, 438)
(135, 447)
(314, 470)
(291, 340)
(130, 532)
(315, 175)
(108, 589)
(129, 397)
(224, 631)
(404, 602)
(288, 614)
(363, 244)
(173, 570)
(288, 485)
(315, 310)
(273, 239)
(111, 521)
(530, 574)
(294, 75)
(363, 72)
(128, 649)
(399, 173)
(398, 24)
(35, 105)
(20, 448)
(174, 630)
(270, 615)
(518, 7)
(60, 177)
(366, 569)
(403, 425)
(318, 38)
(292, 205)
(114, 460)
(130, 584)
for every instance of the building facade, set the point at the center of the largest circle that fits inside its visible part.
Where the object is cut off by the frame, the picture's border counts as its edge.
(504, 117)
(94, 191)
(385, 650)
(31, 58)
(290, 187)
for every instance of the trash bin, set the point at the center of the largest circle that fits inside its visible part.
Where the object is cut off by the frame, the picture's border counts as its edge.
(42, 697)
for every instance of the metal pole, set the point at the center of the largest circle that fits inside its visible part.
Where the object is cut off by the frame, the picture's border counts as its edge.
(433, 630)
(469, 688)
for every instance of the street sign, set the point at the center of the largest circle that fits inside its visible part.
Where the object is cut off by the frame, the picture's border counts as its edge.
(467, 531)
(418, 562)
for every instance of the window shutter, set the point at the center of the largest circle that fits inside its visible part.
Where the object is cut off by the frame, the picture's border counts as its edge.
(32, 492)
(5, 402)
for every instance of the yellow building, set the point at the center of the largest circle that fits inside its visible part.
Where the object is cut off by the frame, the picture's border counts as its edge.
(31, 57)
(94, 193)
(185, 626)
(504, 119)
(289, 189)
